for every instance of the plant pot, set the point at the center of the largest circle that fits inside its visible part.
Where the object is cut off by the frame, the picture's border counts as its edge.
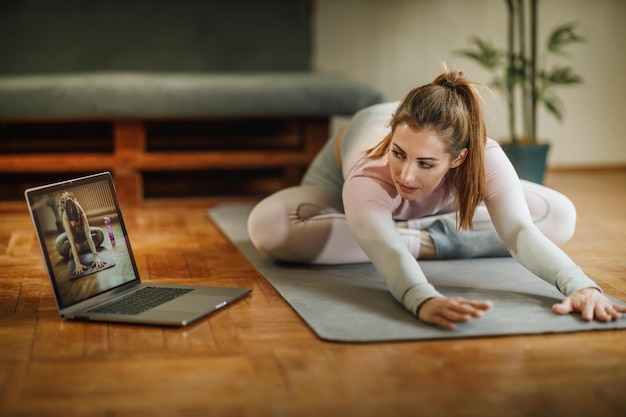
(529, 160)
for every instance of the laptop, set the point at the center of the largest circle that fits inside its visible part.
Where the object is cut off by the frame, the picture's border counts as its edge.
(91, 266)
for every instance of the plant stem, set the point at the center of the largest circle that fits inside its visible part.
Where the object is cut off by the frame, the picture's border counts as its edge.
(525, 68)
(533, 69)
(509, 81)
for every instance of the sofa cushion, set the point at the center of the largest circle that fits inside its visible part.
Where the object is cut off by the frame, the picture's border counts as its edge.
(111, 95)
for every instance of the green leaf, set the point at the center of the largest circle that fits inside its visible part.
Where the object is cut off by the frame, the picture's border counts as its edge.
(552, 104)
(562, 36)
(560, 76)
(484, 53)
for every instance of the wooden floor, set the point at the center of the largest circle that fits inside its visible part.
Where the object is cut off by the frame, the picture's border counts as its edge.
(258, 358)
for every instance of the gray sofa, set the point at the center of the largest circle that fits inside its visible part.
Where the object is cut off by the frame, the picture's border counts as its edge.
(177, 99)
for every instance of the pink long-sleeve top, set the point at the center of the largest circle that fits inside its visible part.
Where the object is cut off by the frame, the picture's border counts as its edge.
(371, 204)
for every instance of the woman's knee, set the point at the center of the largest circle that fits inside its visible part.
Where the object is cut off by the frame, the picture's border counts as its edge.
(268, 224)
(63, 245)
(97, 235)
(552, 212)
(276, 225)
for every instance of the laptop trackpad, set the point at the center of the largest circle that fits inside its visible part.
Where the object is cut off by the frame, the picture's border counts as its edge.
(192, 302)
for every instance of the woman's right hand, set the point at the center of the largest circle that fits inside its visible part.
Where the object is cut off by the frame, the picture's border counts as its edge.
(446, 312)
(79, 268)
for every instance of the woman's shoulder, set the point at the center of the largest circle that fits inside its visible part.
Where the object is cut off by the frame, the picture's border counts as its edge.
(491, 144)
(499, 169)
(494, 152)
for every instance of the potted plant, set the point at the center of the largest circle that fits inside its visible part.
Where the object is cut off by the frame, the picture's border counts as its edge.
(527, 81)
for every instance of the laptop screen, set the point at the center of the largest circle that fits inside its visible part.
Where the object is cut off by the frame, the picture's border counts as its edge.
(82, 236)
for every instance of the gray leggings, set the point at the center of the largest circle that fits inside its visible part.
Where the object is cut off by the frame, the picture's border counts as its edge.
(63, 244)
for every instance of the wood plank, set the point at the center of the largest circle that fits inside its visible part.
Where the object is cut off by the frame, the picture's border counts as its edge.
(123, 161)
(81, 162)
(289, 146)
(258, 358)
(129, 138)
(129, 186)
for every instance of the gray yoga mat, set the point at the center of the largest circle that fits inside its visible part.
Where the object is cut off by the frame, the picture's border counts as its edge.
(87, 259)
(351, 303)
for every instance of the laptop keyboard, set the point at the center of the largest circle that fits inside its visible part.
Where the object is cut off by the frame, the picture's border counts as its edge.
(141, 300)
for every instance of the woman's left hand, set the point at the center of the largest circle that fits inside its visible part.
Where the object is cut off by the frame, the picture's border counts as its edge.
(592, 304)
(97, 262)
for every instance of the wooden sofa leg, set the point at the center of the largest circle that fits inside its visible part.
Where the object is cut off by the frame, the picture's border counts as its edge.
(129, 187)
(130, 146)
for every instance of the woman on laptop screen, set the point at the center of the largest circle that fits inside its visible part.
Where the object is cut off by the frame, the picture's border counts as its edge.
(78, 237)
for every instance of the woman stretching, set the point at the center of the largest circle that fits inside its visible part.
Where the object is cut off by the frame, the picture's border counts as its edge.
(420, 180)
(78, 237)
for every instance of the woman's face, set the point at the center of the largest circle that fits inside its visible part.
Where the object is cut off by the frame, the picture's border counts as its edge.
(418, 161)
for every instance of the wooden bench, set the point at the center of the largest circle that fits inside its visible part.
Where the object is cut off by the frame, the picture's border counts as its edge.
(194, 99)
